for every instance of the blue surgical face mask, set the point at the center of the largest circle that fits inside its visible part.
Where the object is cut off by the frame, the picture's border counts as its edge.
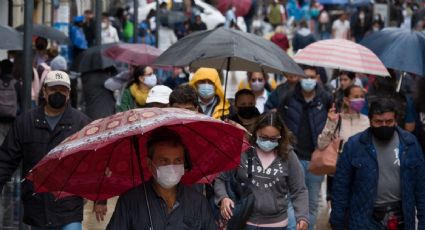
(206, 90)
(267, 145)
(308, 84)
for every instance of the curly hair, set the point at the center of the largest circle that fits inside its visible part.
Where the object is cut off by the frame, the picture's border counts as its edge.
(273, 119)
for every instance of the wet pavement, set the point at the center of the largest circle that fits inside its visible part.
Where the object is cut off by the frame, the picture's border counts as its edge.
(10, 211)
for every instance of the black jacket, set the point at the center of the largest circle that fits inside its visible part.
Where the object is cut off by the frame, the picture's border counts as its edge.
(292, 108)
(29, 140)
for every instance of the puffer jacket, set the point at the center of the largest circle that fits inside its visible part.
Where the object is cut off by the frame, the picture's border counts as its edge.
(355, 184)
(291, 110)
(29, 140)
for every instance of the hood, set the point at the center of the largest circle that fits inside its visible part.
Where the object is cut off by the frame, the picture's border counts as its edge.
(212, 75)
(208, 74)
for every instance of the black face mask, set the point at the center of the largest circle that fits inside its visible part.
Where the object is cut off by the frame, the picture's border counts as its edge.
(383, 133)
(248, 112)
(57, 100)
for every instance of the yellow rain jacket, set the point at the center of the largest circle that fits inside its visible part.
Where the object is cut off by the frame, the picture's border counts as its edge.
(212, 75)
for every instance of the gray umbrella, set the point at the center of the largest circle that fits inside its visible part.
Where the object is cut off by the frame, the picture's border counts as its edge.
(11, 39)
(229, 49)
(93, 59)
(48, 32)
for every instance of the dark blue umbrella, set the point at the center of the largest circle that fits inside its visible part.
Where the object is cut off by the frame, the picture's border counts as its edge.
(399, 49)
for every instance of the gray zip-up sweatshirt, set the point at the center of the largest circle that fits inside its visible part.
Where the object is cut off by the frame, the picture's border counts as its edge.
(271, 187)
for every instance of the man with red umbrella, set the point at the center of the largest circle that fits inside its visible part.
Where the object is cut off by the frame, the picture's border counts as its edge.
(163, 202)
(30, 138)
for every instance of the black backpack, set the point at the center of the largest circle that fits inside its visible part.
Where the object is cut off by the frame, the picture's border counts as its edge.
(8, 98)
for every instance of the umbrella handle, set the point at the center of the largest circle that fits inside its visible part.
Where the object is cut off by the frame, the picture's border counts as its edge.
(142, 177)
(400, 81)
(225, 87)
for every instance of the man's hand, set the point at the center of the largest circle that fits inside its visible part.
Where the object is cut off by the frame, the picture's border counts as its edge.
(100, 210)
(226, 208)
(302, 225)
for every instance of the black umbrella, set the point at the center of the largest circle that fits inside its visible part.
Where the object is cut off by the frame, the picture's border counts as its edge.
(11, 39)
(229, 49)
(399, 49)
(93, 59)
(48, 32)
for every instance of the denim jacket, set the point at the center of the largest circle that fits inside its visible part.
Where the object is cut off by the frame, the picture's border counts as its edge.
(356, 181)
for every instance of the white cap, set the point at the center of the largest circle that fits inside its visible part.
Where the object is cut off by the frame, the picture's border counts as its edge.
(159, 94)
(57, 78)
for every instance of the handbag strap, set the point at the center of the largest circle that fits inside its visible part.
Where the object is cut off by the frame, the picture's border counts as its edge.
(338, 127)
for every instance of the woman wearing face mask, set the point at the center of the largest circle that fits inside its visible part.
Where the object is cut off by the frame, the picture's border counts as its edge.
(352, 122)
(247, 114)
(344, 80)
(276, 173)
(260, 87)
(137, 91)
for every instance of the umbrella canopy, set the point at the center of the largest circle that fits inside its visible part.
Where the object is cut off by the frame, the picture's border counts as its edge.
(100, 161)
(48, 32)
(337, 2)
(343, 55)
(11, 39)
(399, 49)
(93, 59)
(133, 54)
(229, 49)
(242, 6)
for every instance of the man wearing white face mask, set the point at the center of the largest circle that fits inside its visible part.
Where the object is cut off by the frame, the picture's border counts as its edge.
(172, 205)
(109, 33)
(305, 112)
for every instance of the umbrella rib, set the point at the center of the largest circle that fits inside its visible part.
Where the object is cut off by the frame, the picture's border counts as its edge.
(75, 168)
(210, 142)
(45, 179)
(104, 174)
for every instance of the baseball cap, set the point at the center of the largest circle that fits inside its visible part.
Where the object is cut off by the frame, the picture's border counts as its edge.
(159, 94)
(55, 77)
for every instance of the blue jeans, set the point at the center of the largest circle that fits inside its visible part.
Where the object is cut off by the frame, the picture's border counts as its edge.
(313, 184)
(70, 226)
(250, 227)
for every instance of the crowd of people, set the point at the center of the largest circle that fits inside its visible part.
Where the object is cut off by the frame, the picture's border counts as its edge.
(380, 176)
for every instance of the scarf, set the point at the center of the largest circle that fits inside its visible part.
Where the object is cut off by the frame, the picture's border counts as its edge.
(139, 96)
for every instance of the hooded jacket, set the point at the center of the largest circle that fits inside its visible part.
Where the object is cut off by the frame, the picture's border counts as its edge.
(212, 75)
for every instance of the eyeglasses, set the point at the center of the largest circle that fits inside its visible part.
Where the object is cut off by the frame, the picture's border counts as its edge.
(273, 139)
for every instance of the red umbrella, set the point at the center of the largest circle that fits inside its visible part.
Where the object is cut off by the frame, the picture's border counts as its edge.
(100, 161)
(242, 6)
(134, 54)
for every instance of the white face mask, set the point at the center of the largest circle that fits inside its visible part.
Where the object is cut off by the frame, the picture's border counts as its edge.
(104, 25)
(150, 80)
(169, 176)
